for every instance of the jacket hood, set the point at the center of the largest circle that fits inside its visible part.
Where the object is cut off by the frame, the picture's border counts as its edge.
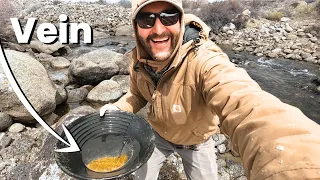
(141, 55)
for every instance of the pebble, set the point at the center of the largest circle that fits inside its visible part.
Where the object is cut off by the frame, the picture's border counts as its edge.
(16, 127)
(222, 148)
(280, 148)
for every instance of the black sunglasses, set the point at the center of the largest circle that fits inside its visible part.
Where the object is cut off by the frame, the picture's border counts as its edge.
(146, 20)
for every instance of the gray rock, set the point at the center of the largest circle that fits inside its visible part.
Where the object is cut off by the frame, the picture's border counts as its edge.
(288, 28)
(285, 19)
(61, 95)
(46, 48)
(5, 121)
(107, 91)
(77, 95)
(123, 81)
(50, 119)
(277, 50)
(16, 127)
(246, 12)
(126, 30)
(219, 139)
(305, 55)
(60, 63)
(5, 141)
(94, 67)
(60, 77)
(287, 51)
(301, 34)
(272, 55)
(35, 83)
(99, 35)
(314, 39)
(222, 148)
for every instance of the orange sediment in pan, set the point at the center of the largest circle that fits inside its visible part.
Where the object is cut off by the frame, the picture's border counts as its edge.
(107, 164)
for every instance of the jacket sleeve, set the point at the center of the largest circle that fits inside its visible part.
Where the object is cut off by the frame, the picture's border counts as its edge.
(132, 101)
(275, 140)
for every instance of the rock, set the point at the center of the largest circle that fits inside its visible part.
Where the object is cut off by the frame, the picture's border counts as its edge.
(310, 59)
(277, 50)
(50, 119)
(292, 37)
(61, 96)
(296, 46)
(16, 47)
(60, 77)
(35, 83)
(99, 35)
(305, 55)
(5, 141)
(272, 55)
(241, 178)
(287, 51)
(123, 81)
(46, 48)
(227, 27)
(126, 30)
(318, 89)
(95, 66)
(230, 32)
(309, 35)
(16, 127)
(107, 91)
(5, 121)
(316, 54)
(60, 63)
(246, 12)
(284, 19)
(219, 139)
(77, 95)
(121, 50)
(313, 39)
(241, 48)
(301, 34)
(222, 148)
(288, 28)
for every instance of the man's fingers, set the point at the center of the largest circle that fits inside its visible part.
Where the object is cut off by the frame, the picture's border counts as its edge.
(108, 107)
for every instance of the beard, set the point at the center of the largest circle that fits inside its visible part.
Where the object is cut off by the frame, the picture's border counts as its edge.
(160, 56)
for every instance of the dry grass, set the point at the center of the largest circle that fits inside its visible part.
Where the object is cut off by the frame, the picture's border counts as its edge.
(218, 14)
(274, 15)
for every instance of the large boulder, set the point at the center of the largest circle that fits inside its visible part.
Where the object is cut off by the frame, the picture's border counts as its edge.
(35, 83)
(96, 66)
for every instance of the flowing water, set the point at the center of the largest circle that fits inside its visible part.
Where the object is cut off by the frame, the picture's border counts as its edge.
(294, 82)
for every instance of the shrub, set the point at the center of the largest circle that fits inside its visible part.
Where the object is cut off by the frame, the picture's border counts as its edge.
(124, 3)
(218, 14)
(274, 15)
(6, 12)
(317, 7)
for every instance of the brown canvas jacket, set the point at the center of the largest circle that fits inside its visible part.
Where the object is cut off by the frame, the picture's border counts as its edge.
(201, 87)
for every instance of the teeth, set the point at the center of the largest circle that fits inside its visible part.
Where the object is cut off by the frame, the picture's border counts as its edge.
(160, 40)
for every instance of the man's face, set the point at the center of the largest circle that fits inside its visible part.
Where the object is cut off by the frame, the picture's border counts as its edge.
(160, 40)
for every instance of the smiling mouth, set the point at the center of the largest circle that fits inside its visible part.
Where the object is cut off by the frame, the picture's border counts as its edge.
(160, 40)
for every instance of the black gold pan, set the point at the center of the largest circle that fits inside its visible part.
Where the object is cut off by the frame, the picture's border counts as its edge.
(116, 133)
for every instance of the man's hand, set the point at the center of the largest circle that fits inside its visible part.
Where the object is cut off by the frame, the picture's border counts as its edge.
(107, 107)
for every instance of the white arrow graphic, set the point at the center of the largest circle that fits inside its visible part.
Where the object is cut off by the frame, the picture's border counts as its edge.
(73, 146)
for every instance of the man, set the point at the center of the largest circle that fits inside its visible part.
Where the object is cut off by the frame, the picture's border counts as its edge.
(191, 85)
